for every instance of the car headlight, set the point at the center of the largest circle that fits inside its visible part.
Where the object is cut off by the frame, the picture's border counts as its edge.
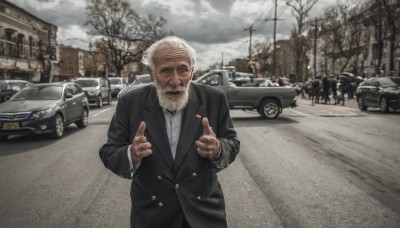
(42, 114)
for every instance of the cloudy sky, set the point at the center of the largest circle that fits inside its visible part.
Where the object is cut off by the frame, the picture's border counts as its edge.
(212, 27)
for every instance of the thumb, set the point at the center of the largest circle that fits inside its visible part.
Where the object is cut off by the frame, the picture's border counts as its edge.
(142, 127)
(207, 129)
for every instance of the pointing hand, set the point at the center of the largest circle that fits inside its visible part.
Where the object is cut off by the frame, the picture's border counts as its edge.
(208, 145)
(140, 147)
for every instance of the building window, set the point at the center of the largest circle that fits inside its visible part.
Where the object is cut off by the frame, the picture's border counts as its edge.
(30, 46)
(20, 45)
(11, 46)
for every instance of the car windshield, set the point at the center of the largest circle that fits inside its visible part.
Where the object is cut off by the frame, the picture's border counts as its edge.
(115, 81)
(87, 83)
(142, 80)
(390, 81)
(42, 92)
(15, 86)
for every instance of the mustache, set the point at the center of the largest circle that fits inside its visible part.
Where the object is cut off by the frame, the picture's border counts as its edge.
(174, 89)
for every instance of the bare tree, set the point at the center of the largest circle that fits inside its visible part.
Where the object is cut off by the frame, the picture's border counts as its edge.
(300, 9)
(343, 36)
(263, 53)
(385, 17)
(122, 35)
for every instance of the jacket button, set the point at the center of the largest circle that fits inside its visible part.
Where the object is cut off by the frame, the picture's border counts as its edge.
(194, 174)
(198, 197)
(160, 204)
(159, 177)
(177, 186)
(153, 198)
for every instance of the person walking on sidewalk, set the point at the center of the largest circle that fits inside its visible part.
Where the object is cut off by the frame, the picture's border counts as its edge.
(325, 89)
(333, 88)
(343, 87)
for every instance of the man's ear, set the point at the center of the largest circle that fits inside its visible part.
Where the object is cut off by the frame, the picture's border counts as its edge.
(151, 73)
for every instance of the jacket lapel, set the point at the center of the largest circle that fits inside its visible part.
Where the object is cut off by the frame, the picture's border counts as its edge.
(191, 126)
(153, 115)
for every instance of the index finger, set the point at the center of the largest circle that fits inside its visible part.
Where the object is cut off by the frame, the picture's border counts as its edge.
(207, 129)
(142, 127)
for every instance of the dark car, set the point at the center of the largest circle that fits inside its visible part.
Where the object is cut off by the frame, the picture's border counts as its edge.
(382, 92)
(10, 87)
(44, 108)
(97, 90)
(141, 80)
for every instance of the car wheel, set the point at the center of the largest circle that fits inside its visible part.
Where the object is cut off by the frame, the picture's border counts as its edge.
(99, 102)
(384, 105)
(361, 105)
(58, 127)
(83, 122)
(269, 109)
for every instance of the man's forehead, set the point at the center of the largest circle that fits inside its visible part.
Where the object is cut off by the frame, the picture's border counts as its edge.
(170, 53)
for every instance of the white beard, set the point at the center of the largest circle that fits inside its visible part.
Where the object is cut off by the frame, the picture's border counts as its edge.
(172, 103)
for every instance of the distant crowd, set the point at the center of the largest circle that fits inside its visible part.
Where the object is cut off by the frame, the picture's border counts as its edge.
(330, 89)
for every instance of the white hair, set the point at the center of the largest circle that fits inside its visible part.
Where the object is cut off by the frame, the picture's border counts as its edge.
(173, 41)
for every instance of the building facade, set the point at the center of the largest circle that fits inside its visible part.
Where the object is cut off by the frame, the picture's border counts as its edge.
(75, 62)
(27, 45)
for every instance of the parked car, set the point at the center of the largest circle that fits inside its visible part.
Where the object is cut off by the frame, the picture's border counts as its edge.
(382, 92)
(44, 108)
(10, 87)
(141, 80)
(97, 90)
(117, 84)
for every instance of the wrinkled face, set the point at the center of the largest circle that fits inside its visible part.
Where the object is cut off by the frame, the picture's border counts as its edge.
(172, 73)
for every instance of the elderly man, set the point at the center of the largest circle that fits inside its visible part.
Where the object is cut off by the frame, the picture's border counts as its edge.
(171, 138)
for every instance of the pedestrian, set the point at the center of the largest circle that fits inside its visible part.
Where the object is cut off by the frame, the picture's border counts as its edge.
(333, 84)
(171, 137)
(325, 88)
(315, 88)
(343, 87)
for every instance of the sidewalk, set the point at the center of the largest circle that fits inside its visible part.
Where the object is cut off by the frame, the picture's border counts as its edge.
(350, 103)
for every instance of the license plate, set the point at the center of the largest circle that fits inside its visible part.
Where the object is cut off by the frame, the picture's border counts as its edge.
(10, 126)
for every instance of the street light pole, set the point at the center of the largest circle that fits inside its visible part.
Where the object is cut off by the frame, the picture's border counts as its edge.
(315, 24)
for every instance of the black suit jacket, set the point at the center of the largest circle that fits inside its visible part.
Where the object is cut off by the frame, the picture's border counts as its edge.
(164, 190)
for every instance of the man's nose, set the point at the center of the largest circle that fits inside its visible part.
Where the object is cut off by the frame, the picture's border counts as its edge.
(175, 79)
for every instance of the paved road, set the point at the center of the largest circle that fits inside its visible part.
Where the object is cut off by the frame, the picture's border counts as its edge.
(315, 166)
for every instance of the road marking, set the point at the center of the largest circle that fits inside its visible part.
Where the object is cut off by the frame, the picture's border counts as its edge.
(301, 113)
(105, 110)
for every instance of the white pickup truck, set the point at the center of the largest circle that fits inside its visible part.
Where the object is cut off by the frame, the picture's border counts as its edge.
(268, 101)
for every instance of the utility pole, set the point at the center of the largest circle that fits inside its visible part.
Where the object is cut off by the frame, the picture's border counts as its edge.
(250, 29)
(222, 62)
(274, 51)
(315, 24)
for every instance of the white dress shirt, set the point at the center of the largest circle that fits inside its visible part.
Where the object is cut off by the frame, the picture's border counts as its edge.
(173, 122)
